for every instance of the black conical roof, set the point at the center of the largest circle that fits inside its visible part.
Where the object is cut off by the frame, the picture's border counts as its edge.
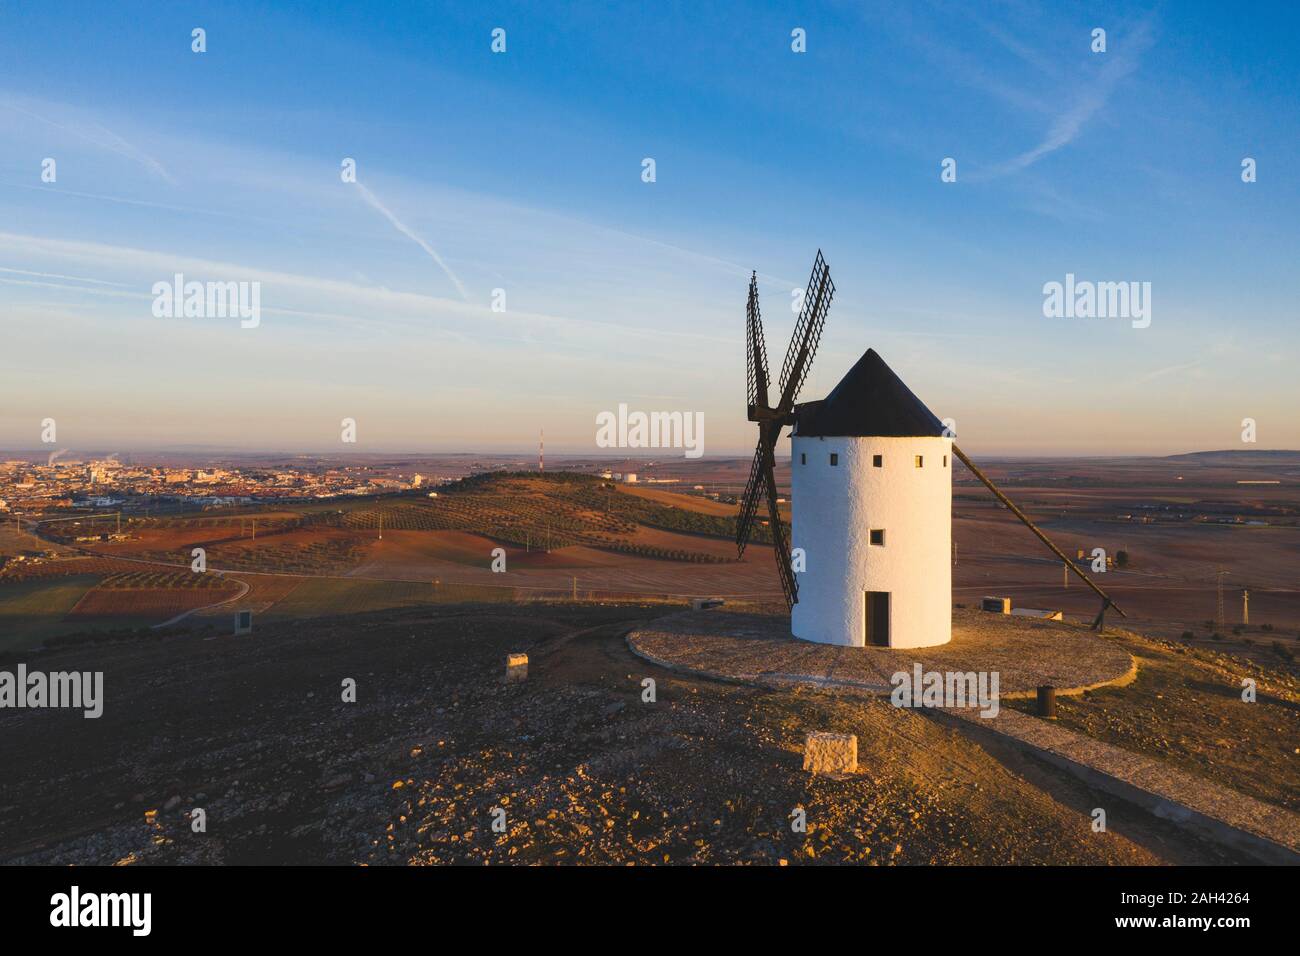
(870, 400)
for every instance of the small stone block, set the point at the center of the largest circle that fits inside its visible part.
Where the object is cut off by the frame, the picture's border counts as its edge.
(516, 667)
(830, 753)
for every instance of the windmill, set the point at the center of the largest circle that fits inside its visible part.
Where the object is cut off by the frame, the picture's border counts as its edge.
(871, 493)
(772, 419)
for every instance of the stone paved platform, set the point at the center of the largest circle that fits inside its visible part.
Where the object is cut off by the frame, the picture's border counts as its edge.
(727, 644)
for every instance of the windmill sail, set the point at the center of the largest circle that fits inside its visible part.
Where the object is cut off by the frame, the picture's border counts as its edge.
(782, 547)
(807, 332)
(749, 500)
(771, 420)
(755, 349)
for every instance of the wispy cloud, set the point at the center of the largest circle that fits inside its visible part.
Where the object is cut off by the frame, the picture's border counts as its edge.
(306, 292)
(419, 241)
(56, 275)
(1088, 100)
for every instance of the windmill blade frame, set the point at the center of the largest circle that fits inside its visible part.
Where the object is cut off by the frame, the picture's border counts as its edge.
(749, 500)
(755, 350)
(771, 419)
(807, 333)
(779, 544)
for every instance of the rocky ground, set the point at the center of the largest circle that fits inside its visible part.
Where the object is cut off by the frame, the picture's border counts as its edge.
(573, 765)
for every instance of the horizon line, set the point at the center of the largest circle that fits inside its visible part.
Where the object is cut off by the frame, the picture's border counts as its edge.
(561, 455)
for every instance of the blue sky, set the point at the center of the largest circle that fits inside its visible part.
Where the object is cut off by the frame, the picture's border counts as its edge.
(522, 171)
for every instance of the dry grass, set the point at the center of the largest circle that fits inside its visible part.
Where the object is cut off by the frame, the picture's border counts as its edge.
(1186, 708)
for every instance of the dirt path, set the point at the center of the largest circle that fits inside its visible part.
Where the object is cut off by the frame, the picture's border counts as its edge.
(207, 607)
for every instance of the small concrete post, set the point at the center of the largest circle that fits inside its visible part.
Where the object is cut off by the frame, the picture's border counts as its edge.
(830, 753)
(516, 668)
(1047, 702)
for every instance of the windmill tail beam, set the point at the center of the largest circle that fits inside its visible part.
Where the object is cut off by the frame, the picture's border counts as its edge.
(1011, 506)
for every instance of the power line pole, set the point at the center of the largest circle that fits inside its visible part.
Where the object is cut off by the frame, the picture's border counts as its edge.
(1219, 595)
(1245, 606)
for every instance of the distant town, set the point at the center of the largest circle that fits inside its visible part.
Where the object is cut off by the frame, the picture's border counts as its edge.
(168, 483)
(33, 488)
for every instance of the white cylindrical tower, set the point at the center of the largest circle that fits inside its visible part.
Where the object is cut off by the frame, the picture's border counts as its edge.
(873, 516)
(871, 491)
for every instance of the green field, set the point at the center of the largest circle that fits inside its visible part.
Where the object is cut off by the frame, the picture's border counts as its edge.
(318, 597)
(31, 611)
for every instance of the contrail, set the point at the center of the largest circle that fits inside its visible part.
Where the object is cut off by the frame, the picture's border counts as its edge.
(1067, 126)
(106, 140)
(401, 227)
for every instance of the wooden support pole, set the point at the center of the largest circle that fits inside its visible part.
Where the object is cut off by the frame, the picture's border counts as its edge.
(1034, 528)
(1046, 702)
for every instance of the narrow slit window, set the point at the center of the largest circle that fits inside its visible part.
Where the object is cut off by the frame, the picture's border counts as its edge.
(920, 461)
(877, 461)
(945, 461)
(835, 459)
(803, 458)
(878, 536)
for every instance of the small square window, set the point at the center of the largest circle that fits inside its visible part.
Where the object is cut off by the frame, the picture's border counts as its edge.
(835, 459)
(877, 461)
(920, 461)
(803, 458)
(878, 536)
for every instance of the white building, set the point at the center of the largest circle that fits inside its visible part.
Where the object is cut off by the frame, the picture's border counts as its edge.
(872, 489)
